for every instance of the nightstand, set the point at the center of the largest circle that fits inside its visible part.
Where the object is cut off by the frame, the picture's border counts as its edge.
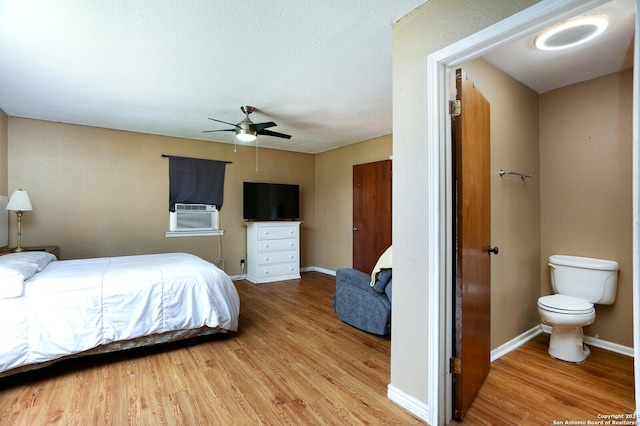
(49, 249)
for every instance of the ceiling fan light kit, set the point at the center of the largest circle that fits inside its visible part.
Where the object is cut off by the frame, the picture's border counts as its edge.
(246, 135)
(244, 132)
(572, 32)
(247, 130)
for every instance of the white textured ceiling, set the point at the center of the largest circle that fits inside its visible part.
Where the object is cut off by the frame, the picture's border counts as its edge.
(320, 69)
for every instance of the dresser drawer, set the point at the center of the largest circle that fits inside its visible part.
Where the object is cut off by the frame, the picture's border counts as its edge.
(277, 257)
(277, 232)
(277, 245)
(283, 269)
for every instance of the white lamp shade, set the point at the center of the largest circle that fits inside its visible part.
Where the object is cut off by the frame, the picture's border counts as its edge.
(19, 201)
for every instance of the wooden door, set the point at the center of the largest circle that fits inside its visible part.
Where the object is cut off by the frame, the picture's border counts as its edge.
(472, 237)
(371, 213)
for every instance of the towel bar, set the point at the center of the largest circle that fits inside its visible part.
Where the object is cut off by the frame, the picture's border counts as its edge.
(509, 172)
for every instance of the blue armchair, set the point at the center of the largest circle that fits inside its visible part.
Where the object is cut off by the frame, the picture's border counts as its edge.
(362, 305)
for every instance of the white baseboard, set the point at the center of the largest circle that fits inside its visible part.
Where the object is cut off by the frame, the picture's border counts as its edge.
(515, 343)
(318, 269)
(409, 403)
(520, 340)
(599, 343)
(303, 269)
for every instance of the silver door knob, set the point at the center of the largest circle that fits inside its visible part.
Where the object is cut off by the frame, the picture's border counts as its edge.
(354, 229)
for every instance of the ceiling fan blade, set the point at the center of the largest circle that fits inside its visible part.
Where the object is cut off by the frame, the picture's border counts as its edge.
(221, 130)
(220, 121)
(274, 134)
(259, 126)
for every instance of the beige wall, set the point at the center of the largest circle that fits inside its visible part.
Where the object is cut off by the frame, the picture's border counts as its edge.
(586, 176)
(4, 164)
(576, 204)
(515, 203)
(433, 26)
(4, 146)
(334, 196)
(99, 192)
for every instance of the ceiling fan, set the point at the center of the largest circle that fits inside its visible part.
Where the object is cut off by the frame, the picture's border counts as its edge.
(247, 130)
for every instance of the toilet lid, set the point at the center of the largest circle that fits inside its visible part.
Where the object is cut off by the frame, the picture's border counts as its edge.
(565, 304)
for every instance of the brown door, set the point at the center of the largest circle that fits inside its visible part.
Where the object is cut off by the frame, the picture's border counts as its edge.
(371, 213)
(472, 237)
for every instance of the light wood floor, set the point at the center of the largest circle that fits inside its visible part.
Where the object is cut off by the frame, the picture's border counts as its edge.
(528, 387)
(293, 362)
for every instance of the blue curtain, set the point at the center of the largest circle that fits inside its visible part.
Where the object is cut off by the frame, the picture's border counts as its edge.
(195, 181)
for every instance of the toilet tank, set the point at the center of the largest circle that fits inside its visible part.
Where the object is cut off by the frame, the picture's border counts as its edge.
(595, 280)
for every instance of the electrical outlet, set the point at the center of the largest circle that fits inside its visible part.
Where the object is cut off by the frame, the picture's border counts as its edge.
(242, 263)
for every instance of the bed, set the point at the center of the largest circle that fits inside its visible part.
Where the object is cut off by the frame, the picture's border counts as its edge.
(55, 309)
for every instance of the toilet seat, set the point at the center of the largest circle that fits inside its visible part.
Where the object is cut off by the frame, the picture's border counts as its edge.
(567, 305)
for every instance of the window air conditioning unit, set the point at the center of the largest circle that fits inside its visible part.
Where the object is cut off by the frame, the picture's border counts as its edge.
(194, 217)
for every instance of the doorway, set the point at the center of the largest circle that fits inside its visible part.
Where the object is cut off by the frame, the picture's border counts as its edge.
(440, 65)
(371, 213)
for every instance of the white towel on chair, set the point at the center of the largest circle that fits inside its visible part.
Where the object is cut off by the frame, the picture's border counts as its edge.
(384, 262)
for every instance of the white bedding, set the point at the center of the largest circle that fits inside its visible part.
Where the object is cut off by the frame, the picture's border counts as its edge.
(72, 306)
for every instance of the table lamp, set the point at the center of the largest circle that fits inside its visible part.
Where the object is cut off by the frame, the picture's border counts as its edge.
(19, 202)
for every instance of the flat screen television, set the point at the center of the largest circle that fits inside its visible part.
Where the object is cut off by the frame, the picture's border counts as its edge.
(270, 201)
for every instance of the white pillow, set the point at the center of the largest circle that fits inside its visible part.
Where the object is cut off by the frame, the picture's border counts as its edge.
(12, 276)
(39, 258)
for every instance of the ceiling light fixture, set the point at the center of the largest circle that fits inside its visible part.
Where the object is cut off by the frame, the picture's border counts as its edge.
(572, 32)
(245, 136)
(244, 129)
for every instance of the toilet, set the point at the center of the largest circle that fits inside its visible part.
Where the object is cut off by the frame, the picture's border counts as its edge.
(579, 283)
